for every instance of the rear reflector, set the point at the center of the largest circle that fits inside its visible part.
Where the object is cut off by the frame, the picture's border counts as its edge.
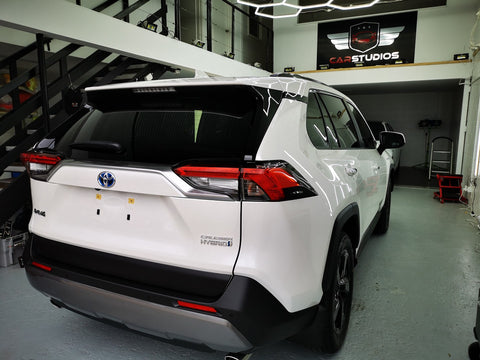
(268, 181)
(41, 266)
(196, 306)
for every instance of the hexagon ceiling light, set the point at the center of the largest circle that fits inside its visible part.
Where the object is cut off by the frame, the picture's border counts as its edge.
(295, 10)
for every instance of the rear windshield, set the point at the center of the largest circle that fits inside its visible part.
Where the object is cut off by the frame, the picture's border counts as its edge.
(170, 125)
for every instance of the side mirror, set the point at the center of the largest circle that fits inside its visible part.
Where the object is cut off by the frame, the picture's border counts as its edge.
(390, 140)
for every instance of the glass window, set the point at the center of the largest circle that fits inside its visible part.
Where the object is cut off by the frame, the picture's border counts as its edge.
(377, 128)
(344, 126)
(331, 134)
(315, 125)
(368, 139)
(179, 124)
(253, 25)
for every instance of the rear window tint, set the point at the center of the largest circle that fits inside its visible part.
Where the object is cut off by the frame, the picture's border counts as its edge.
(377, 128)
(167, 128)
(342, 122)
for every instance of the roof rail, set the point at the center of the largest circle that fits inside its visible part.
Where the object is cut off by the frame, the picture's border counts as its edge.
(296, 76)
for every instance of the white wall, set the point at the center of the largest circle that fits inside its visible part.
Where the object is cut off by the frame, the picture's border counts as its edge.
(441, 33)
(445, 31)
(472, 135)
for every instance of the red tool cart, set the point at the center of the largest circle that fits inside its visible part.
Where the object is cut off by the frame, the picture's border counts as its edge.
(450, 188)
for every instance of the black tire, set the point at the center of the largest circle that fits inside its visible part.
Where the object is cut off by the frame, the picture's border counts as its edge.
(384, 220)
(329, 328)
(474, 351)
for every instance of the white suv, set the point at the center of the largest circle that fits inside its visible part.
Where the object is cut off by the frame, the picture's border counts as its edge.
(223, 212)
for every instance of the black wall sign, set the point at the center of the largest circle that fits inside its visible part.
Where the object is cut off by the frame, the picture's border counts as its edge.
(369, 41)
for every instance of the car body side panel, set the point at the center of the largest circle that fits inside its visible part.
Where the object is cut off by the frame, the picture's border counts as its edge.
(281, 242)
(193, 233)
(327, 169)
(369, 179)
(284, 246)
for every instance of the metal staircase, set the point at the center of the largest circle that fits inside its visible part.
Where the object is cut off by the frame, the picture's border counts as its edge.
(48, 111)
(61, 73)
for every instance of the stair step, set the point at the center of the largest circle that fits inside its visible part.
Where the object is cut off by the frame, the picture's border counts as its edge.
(15, 167)
(4, 183)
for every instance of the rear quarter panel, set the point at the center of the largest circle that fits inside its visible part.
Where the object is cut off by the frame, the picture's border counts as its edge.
(285, 244)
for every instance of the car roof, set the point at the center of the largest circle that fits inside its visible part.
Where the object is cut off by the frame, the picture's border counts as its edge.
(292, 84)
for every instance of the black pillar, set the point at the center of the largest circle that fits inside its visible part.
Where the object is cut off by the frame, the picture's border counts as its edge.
(209, 25)
(43, 82)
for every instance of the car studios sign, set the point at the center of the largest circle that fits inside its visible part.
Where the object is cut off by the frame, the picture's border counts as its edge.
(369, 41)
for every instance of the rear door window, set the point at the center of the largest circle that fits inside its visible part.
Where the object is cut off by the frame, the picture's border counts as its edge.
(344, 126)
(331, 133)
(315, 125)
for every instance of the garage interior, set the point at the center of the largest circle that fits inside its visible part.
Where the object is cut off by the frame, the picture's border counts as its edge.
(416, 288)
(405, 106)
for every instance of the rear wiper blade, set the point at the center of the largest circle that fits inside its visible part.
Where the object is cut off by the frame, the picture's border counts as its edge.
(99, 146)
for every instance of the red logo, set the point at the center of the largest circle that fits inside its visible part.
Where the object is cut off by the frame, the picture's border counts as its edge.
(364, 36)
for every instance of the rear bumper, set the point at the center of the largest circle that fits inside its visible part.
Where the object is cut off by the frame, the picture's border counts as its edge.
(151, 318)
(247, 315)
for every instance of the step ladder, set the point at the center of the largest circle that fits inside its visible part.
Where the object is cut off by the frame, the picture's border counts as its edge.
(441, 156)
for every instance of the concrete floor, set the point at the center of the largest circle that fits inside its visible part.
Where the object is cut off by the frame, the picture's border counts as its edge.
(415, 298)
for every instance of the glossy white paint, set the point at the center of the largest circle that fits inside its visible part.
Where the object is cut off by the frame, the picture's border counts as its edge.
(293, 86)
(283, 242)
(162, 228)
(282, 245)
(284, 248)
(130, 180)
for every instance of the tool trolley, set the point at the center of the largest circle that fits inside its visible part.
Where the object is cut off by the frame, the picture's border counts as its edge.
(450, 188)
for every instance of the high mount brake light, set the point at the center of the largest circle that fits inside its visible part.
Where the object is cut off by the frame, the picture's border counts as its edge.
(273, 182)
(38, 165)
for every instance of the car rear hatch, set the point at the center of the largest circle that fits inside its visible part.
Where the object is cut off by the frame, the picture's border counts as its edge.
(119, 189)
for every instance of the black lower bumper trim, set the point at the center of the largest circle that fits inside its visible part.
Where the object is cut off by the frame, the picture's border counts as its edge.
(258, 315)
(126, 270)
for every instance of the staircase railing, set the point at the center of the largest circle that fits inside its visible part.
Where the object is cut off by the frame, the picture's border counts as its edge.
(49, 101)
(48, 104)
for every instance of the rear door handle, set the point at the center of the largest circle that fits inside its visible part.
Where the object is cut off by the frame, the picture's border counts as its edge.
(351, 171)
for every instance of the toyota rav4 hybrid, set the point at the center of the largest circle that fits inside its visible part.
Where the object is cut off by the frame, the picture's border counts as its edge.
(220, 212)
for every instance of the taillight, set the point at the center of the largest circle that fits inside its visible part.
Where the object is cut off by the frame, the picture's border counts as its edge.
(267, 181)
(38, 165)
